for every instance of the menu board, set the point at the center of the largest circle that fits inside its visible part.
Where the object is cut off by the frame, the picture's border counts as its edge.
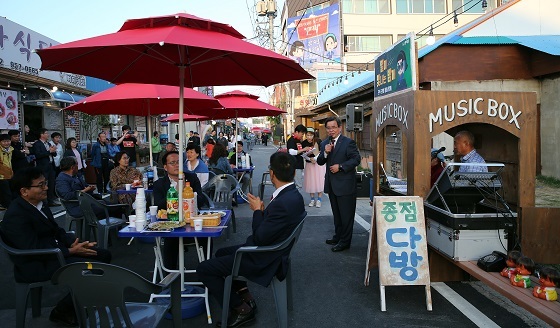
(9, 110)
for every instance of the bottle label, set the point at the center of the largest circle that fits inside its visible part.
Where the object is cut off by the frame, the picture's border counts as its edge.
(173, 208)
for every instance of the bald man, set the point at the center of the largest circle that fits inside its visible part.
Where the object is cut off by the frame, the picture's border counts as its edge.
(463, 145)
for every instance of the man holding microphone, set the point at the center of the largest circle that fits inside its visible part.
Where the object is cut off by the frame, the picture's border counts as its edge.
(341, 155)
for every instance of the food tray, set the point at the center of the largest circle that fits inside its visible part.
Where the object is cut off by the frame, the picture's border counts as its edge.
(208, 221)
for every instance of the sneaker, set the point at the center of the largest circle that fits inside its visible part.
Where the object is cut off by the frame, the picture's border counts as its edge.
(312, 203)
(318, 203)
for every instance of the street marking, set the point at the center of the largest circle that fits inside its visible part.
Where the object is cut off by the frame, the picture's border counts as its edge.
(362, 222)
(468, 310)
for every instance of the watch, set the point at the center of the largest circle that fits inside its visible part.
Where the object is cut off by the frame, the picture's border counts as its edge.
(340, 167)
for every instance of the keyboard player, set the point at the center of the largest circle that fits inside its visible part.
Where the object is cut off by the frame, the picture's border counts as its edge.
(463, 145)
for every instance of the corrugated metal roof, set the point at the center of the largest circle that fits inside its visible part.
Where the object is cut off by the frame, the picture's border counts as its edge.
(549, 44)
(484, 40)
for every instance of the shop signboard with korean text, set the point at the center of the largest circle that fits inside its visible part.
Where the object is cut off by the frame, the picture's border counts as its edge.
(395, 68)
(17, 45)
(401, 243)
(9, 118)
(315, 36)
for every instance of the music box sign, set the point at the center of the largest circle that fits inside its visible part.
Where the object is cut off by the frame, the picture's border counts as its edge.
(488, 108)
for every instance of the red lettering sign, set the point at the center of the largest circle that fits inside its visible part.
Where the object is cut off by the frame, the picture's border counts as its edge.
(313, 26)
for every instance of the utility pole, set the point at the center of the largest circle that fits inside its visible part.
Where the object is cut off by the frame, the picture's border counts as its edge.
(268, 8)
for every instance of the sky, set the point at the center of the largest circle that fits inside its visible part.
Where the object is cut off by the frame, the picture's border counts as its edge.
(70, 20)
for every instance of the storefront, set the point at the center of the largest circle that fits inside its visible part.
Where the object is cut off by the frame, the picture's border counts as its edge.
(33, 97)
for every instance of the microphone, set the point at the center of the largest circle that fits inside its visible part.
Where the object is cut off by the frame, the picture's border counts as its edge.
(332, 140)
(440, 150)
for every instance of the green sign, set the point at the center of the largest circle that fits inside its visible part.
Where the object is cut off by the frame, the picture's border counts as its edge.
(395, 68)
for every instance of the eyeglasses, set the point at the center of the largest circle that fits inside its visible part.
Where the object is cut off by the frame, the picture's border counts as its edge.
(42, 185)
(173, 163)
(331, 127)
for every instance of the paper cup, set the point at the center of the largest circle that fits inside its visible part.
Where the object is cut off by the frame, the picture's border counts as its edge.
(198, 224)
(153, 210)
(127, 186)
(140, 225)
(131, 220)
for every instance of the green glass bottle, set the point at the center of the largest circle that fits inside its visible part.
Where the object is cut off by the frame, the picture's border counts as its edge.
(172, 204)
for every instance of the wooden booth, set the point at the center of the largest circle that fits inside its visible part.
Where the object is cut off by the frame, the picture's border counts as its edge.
(503, 123)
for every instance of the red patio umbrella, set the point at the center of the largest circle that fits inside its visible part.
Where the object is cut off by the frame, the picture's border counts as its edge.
(178, 49)
(152, 50)
(256, 128)
(266, 131)
(143, 100)
(186, 117)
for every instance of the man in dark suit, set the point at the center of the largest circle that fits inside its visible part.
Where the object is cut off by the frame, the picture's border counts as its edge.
(171, 165)
(44, 156)
(270, 226)
(341, 155)
(29, 224)
(69, 183)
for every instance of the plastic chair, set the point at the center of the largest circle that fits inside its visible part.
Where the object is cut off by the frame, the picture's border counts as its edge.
(265, 181)
(23, 290)
(104, 225)
(98, 293)
(221, 190)
(69, 218)
(282, 290)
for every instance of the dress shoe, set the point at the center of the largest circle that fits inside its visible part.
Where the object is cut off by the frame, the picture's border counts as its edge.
(331, 241)
(252, 304)
(238, 319)
(66, 318)
(340, 247)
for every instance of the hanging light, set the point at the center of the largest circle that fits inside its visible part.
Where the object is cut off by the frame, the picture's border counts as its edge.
(431, 38)
(346, 80)
(54, 89)
(455, 19)
(8, 84)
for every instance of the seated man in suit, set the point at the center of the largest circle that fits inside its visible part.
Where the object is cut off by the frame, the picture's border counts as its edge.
(69, 183)
(270, 226)
(171, 165)
(29, 224)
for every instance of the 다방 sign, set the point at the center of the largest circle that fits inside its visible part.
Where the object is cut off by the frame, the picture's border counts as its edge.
(401, 243)
(9, 110)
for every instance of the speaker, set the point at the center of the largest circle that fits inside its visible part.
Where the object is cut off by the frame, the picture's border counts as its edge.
(354, 117)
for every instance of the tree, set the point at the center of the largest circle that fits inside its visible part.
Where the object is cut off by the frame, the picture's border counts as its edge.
(91, 124)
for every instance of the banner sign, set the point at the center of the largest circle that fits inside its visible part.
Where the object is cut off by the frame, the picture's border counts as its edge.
(315, 36)
(401, 244)
(395, 68)
(17, 45)
(9, 110)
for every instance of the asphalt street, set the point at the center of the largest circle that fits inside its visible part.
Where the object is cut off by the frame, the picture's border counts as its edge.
(328, 287)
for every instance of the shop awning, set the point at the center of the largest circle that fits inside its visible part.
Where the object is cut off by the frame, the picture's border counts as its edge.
(42, 96)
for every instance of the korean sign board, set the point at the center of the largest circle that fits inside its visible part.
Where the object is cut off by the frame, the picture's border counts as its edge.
(395, 68)
(17, 45)
(8, 110)
(315, 36)
(401, 243)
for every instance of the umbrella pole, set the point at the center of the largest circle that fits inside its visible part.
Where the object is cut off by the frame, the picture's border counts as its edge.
(149, 138)
(181, 181)
(235, 144)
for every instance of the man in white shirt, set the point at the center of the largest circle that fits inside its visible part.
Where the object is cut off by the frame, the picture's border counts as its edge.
(55, 141)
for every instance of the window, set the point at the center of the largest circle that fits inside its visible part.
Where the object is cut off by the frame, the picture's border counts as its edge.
(312, 9)
(367, 43)
(365, 6)
(467, 6)
(420, 6)
(308, 87)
